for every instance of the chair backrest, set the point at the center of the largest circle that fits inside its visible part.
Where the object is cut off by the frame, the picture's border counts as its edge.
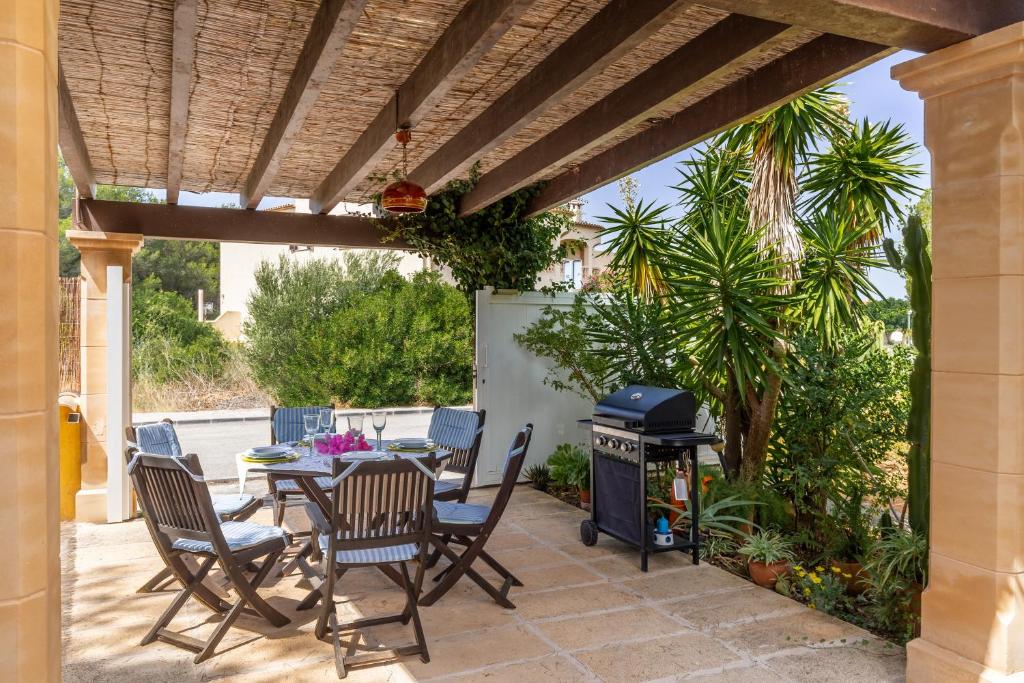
(174, 497)
(286, 423)
(461, 432)
(513, 466)
(158, 438)
(382, 503)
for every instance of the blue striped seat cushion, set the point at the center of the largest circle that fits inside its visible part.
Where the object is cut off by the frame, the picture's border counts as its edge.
(460, 513)
(288, 425)
(453, 428)
(391, 553)
(447, 485)
(239, 536)
(228, 504)
(291, 486)
(158, 438)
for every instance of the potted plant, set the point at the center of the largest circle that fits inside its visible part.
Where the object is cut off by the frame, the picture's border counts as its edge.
(539, 475)
(897, 569)
(570, 466)
(768, 556)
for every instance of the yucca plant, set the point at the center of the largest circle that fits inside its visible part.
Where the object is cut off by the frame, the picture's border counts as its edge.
(718, 517)
(636, 237)
(778, 143)
(865, 175)
(835, 280)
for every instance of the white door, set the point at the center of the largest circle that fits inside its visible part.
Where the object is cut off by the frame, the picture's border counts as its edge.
(510, 384)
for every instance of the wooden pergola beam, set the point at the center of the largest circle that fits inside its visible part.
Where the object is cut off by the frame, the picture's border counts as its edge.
(183, 50)
(171, 221)
(818, 62)
(611, 34)
(472, 34)
(646, 96)
(72, 144)
(922, 25)
(330, 31)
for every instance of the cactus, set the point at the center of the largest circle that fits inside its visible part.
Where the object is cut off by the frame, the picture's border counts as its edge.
(916, 264)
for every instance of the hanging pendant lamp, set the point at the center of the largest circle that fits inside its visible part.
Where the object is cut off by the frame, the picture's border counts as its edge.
(403, 196)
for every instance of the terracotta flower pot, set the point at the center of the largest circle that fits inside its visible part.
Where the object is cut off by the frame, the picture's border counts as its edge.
(584, 497)
(767, 575)
(858, 581)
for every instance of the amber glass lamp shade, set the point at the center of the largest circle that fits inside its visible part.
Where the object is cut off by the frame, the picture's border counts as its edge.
(403, 197)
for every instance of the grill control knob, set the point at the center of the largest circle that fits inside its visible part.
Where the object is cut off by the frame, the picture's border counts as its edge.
(626, 447)
(602, 440)
(613, 443)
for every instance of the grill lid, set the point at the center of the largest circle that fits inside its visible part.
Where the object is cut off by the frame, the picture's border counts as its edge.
(648, 409)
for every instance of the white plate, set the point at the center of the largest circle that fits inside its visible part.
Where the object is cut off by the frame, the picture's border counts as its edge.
(268, 452)
(413, 443)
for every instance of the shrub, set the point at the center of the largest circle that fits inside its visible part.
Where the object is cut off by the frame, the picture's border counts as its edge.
(168, 341)
(358, 333)
(570, 466)
(840, 431)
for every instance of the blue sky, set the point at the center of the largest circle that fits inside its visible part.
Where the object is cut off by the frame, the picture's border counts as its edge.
(873, 94)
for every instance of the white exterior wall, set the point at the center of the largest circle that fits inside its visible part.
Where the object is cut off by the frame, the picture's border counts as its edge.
(238, 261)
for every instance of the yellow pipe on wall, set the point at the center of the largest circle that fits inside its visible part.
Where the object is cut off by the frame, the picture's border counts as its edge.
(70, 454)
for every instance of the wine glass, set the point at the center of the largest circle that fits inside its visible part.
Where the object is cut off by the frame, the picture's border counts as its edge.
(327, 419)
(311, 423)
(355, 424)
(380, 421)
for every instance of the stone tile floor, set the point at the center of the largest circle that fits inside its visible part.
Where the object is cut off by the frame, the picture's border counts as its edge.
(585, 614)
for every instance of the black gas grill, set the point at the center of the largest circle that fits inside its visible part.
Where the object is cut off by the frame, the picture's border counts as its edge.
(631, 431)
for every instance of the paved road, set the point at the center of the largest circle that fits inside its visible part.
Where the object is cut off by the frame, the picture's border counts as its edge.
(218, 442)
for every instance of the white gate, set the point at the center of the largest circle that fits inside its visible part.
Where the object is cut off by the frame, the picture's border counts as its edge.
(510, 383)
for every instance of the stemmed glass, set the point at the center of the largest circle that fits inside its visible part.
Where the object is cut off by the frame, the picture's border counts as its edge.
(327, 419)
(311, 423)
(380, 421)
(355, 425)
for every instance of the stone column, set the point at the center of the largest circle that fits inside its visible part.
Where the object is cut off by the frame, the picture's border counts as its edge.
(29, 509)
(973, 610)
(99, 250)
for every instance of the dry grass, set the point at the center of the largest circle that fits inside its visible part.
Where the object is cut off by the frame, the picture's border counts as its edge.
(236, 389)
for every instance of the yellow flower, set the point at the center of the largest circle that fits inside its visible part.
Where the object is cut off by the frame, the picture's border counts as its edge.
(836, 570)
(801, 573)
(797, 568)
(815, 579)
(819, 569)
(807, 591)
(847, 576)
(811, 605)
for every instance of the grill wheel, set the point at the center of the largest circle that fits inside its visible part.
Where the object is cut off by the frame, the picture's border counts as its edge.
(588, 532)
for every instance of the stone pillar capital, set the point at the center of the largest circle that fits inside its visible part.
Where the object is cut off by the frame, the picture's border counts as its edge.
(965, 65)
(93, 240)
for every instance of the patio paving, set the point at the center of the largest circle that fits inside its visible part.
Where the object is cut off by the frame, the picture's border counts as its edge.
(585, 614)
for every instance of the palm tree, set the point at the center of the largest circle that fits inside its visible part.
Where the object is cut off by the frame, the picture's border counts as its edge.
(778, 143)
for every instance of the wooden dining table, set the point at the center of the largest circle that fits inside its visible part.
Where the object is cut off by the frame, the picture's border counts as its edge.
(305, 470)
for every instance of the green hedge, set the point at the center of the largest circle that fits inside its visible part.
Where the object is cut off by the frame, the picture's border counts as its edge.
(358, 333)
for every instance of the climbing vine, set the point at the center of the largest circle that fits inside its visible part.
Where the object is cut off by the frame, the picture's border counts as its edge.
(495, 246)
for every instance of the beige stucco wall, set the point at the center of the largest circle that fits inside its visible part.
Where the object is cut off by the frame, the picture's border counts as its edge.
(29, 511)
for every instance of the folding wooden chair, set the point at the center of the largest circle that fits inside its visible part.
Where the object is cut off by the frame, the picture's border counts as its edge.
(458, 431)
(471, 526)
(160, 438)
(285, 426)
(380, 516)
(180, 515)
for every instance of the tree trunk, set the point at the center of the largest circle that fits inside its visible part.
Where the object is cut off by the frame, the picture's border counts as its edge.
(733, 430)
(755, 445)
